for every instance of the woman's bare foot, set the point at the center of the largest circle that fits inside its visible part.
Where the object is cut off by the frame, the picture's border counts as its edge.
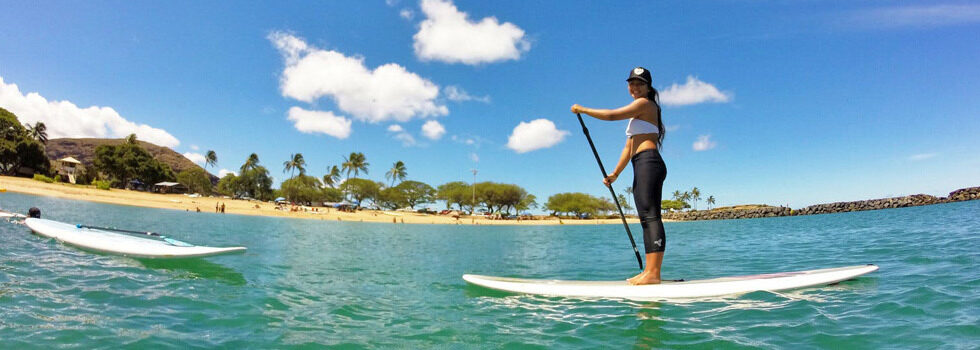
(643, 276)
(638, 276)
(648, 278)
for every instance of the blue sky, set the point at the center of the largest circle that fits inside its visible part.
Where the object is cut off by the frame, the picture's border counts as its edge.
(776, 102)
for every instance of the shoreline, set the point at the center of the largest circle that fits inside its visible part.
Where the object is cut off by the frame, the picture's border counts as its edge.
(257, 208)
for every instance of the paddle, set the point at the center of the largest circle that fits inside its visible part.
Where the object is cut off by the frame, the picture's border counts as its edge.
(611, 191)
(148, 233)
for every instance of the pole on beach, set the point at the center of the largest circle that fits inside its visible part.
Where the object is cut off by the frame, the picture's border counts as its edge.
(611, 191)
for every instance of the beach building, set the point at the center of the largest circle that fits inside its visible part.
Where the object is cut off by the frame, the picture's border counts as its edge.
(169, 187)
(68, 168)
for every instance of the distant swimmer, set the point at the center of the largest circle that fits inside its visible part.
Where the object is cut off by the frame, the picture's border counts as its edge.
(644, 136)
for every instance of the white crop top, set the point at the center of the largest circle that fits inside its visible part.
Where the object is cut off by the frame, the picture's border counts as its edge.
(639, 126)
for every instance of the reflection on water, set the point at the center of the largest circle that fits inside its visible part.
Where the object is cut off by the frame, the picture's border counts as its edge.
(649, 329)
(196, 268)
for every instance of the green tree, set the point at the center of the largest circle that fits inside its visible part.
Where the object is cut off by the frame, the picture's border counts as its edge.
(210, 158)
(528, 202)
(228, 185)
(332, 176)
(696, 196)
(622, 200)
(629, 197)
(196, 180)
(391, 198)
(38, 132)
(361, 189)
(416, 193)
(128, 161)
(295, 162)
(18, 149)
(669, 204)
(397, 172)
(711, 201)
(255, 183)
(355, 163)
(578, 204)
(456, 192)
(302, 189)
(250, 163)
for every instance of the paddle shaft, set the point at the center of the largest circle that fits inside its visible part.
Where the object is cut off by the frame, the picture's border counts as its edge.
(611, 191)
(120, 230)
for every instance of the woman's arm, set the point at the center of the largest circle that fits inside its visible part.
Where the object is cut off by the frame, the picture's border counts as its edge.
(623, 160)
(631, 110)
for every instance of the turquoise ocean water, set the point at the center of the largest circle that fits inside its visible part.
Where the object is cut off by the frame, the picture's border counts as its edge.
(309, 283)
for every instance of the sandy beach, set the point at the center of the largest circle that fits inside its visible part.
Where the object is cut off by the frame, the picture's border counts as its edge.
(244, 207)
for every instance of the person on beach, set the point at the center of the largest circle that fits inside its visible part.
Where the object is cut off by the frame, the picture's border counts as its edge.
(644, 138)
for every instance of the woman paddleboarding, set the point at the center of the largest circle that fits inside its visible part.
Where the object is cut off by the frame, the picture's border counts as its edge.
(644, 137)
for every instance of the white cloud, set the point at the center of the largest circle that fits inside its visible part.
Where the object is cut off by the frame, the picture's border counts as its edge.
(407, 14)
(704, 143)
(455, 93)
(448, 35)
(406, 139)
(401, 135)
(65, 119)
(692, 92)
(388, 92)
(474, 157)
(433, 130)
(318, 121)
(918, 16)
(922, 156)
(223, 172)
(536, 134)
(194, 148)
(195, 157)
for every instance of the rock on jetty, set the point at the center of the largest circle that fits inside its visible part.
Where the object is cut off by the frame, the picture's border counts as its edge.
(965, 194)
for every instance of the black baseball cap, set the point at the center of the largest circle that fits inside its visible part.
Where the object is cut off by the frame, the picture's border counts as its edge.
(640, 73)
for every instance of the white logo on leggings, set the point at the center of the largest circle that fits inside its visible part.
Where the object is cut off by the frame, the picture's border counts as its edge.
(658, 242)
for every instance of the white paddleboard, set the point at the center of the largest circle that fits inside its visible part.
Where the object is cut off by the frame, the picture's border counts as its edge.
(119, 243)
(6, 215)
(672, 290)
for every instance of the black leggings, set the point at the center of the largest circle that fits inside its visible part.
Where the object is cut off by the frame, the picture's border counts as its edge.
(649, 172)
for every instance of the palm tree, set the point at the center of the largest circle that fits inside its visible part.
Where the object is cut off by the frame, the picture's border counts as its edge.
(210, 159)
(332, 176)
(711, 201)
(397, 171)
(629, 191)
(355, 163)
(677, 195)
(685, 196)
(295, 162)
(696, 195)
(250, 163)
(39, 132)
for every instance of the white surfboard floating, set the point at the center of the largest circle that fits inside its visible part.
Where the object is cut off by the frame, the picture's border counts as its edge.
(670, 289)
(123, 244)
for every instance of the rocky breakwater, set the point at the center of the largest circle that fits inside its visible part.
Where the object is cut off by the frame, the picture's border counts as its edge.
(762, 211)
(729, 213)
(872, 204)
